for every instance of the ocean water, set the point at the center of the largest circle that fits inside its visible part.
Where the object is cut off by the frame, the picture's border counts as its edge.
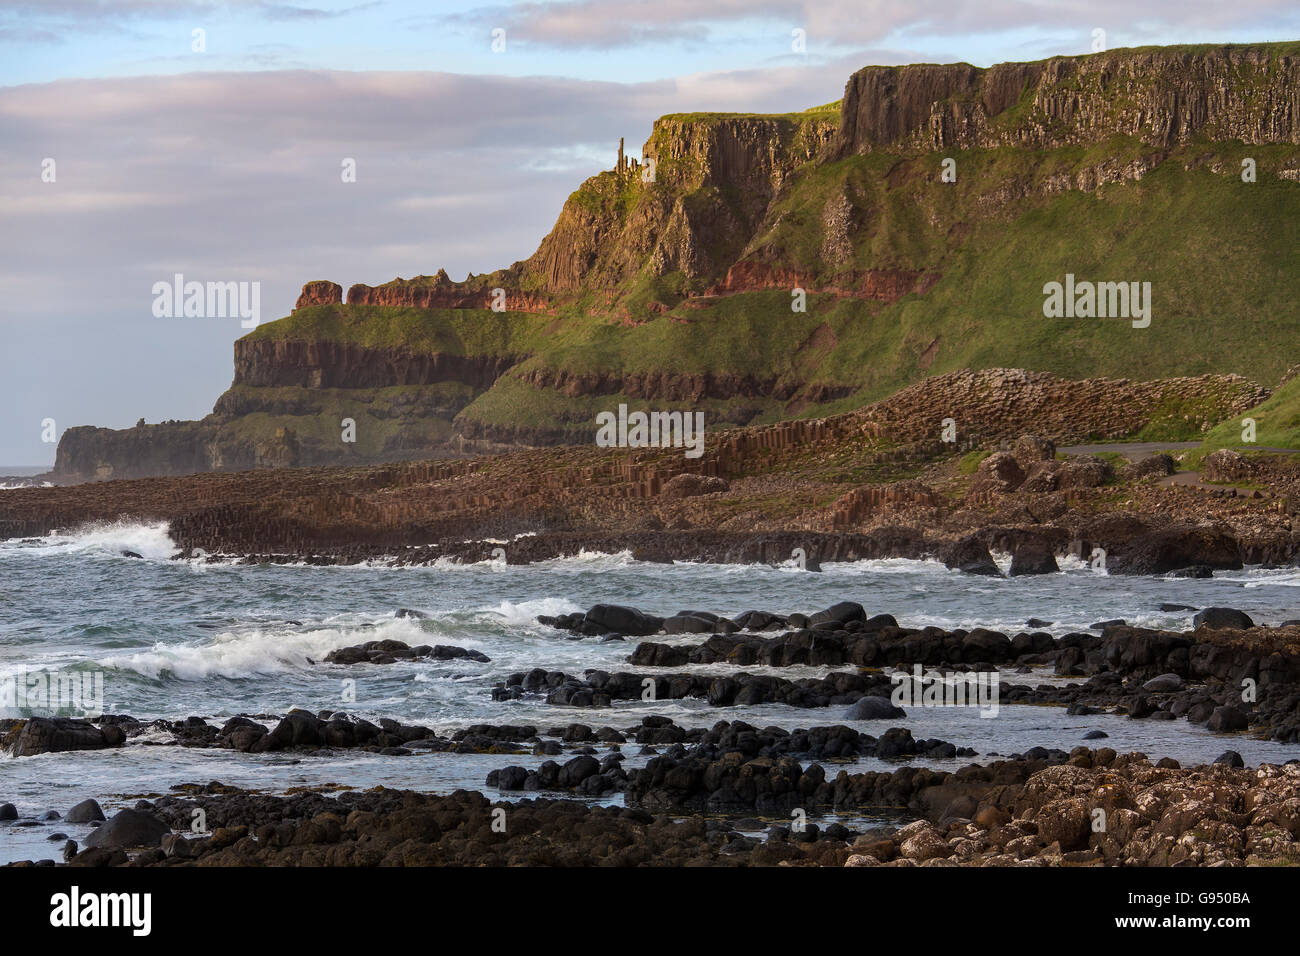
(174, 639)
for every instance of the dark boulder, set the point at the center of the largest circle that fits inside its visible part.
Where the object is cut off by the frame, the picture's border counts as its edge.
(688, 622)
(87, 811)
(841, 613)
(129, 828)
(874, 708)
(970, 555)
(1192, 571)
(623, 620)
(1147, 549)
(1163, 684)
(1033, 557)
(1227, 719)
(896, 742)
(40, 735)
(1222, 617)
(298, 729)
(577, 770)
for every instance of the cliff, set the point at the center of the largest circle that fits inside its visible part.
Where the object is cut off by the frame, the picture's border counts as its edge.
(327, 364)
(1161, 97)
(672, 280)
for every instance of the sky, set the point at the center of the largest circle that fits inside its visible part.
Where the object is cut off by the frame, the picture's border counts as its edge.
(147, 138)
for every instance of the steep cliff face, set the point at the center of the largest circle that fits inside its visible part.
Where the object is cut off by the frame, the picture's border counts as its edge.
(90, 453)
(329, 364)
(674, 281)
(440, 292)
(703, 189)
(1161, 97)
(319, 292)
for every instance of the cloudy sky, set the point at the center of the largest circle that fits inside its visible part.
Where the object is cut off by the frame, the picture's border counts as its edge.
(207, 139)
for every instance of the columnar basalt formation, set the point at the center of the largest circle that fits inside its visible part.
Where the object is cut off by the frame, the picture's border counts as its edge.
(324, 364)
(1158, 97)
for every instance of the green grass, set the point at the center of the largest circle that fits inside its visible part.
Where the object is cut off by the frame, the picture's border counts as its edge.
(1277, 425)
(469, 332)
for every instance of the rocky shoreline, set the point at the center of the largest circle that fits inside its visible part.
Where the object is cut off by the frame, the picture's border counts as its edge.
(739, 794)
(1087, 808)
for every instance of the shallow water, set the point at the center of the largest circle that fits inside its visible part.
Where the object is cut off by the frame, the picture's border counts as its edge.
(174, 639)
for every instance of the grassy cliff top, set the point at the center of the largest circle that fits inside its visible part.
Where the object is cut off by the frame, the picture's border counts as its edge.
(826, 112)
(449, 331)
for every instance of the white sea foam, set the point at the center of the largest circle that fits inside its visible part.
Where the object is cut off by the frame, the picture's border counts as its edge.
(259, 651)
(151, 541)
(525, 613)
(1287, 578)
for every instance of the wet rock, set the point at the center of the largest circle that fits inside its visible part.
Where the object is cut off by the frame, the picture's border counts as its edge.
(622, 620)
(1102, 625)
(688, 622)
(759, 620)
(129, 828)
(1230, 758)
(38, 735)
(874, 708)
(391, 651)
(841, 613)
(970, 555)
(508, 778)
(1227, 719)
(1164, 684)
(1033, 557)
(1145, 547)
(1192, 571)
(86, 811)
(1222, 617)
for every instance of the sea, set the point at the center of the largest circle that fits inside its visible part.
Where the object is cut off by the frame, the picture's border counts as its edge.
(167, 638)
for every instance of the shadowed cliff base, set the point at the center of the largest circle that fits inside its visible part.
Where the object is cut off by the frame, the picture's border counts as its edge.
(879, 482)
